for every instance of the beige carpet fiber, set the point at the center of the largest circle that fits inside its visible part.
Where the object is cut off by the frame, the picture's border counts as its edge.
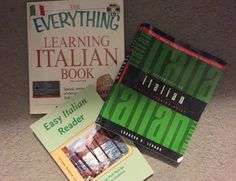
(209, 25)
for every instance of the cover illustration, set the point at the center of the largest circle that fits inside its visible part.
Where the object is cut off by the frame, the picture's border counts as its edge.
(72, 44)
(161, 92)
(83, 150)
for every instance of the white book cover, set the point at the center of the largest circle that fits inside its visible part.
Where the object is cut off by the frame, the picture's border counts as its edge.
(72, 44)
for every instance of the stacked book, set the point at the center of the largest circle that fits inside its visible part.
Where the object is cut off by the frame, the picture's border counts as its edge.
(99, 102)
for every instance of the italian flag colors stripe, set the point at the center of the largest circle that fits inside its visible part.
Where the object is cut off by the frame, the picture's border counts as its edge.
(37, 10)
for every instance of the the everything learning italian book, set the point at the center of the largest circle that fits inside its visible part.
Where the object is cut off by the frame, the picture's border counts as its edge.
(85, 151)
(161, 92)
(72, 44)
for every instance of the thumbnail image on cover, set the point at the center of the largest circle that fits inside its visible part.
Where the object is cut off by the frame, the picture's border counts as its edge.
(94, 151)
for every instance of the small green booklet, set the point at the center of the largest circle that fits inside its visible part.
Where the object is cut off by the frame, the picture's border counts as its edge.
(85, 151)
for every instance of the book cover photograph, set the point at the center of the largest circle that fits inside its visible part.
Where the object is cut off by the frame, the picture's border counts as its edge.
(72, 44)
(160, 92)
(83, 150)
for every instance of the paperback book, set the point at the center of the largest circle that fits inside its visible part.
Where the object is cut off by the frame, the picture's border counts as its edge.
(72, 44)
(83, 150)
(160, 92)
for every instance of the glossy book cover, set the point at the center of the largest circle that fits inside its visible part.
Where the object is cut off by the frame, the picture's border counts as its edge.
(160, 92)
(83, 150)
(72, 44)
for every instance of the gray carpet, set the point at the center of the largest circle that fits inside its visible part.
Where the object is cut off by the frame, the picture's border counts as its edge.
(209, 25)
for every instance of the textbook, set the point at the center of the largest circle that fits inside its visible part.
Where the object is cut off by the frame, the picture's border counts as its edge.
(83, 150)
(72, 44)
(160, 92)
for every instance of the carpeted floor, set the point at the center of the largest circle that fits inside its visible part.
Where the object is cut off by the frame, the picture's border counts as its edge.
(209, 25)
